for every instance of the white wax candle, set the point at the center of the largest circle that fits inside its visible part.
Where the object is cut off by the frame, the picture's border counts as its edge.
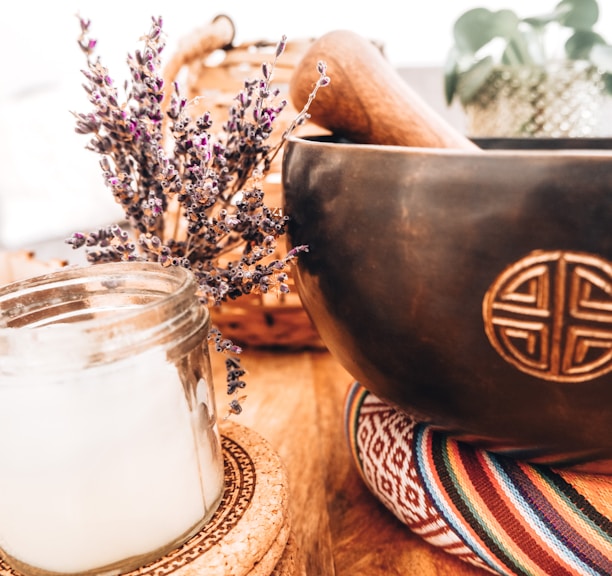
(103, 463)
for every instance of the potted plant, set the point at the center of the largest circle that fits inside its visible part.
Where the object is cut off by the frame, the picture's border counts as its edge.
(544, 75)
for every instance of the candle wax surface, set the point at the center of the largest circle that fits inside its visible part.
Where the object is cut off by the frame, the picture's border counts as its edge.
(104, 463)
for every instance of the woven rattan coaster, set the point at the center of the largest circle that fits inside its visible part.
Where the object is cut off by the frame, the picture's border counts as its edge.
(249, 534)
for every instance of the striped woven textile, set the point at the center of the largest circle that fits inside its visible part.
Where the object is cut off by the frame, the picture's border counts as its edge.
(503, 515)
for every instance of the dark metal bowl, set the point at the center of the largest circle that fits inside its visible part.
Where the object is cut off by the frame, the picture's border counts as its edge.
(473, 290)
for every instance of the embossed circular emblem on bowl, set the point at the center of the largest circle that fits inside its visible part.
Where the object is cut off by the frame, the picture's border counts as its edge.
(550, 315)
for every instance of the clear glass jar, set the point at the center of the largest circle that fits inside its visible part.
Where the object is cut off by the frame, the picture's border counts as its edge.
(110, 453)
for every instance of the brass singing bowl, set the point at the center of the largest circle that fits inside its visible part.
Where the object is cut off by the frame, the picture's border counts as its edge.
(473, 291)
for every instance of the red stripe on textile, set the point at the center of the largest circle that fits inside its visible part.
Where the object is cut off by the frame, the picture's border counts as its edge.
(496, 502)
(474, 511)
(435, 477)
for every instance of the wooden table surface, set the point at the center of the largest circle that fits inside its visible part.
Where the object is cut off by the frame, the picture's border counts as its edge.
(295, 400)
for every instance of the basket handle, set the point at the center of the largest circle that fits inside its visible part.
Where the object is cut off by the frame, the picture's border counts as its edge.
(218, 34)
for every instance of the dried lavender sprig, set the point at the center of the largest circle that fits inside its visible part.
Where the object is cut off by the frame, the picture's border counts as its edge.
(199, 202)
(220, 236)
(128, 135)
(303, 116)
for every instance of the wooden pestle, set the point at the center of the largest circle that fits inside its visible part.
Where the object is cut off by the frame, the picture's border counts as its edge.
(367, 100)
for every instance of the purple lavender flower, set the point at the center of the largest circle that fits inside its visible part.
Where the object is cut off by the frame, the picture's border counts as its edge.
(191, 192)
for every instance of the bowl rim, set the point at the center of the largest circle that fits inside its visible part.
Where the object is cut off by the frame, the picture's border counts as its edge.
(490, 147)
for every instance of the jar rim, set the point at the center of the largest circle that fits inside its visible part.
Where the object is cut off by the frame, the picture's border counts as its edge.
(120, 307)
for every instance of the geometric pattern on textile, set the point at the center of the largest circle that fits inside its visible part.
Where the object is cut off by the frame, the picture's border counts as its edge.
(503, 515)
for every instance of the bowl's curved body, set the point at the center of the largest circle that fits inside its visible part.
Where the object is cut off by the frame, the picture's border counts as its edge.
(473, 291)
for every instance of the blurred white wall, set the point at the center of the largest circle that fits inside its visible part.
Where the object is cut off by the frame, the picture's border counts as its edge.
(50, 185)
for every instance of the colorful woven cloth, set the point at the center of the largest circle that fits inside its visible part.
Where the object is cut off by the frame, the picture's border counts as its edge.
(503, 515)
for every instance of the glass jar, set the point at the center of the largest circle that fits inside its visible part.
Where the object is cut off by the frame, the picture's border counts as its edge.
(110, 454)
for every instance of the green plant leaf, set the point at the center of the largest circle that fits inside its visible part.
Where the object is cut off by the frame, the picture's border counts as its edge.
(582, 14)
(477, 27)
(601, 56)
(451, 76)
(543, 20)
(505, 24)
(472, 80)
(576, 14)
(472, 30)
(517, 52)
(580, 44)
(607, 79)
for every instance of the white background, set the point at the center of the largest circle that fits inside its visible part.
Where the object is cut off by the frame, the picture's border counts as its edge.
(50, 184)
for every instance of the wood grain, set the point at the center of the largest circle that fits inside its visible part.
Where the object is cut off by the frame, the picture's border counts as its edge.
(295, 400)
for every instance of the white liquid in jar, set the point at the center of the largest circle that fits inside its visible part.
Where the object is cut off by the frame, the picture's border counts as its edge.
(103, 464)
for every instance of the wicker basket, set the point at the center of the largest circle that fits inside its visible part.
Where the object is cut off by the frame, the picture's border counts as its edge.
(209, 67)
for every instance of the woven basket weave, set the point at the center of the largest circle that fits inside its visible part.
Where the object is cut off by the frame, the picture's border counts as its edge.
(209, 68)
